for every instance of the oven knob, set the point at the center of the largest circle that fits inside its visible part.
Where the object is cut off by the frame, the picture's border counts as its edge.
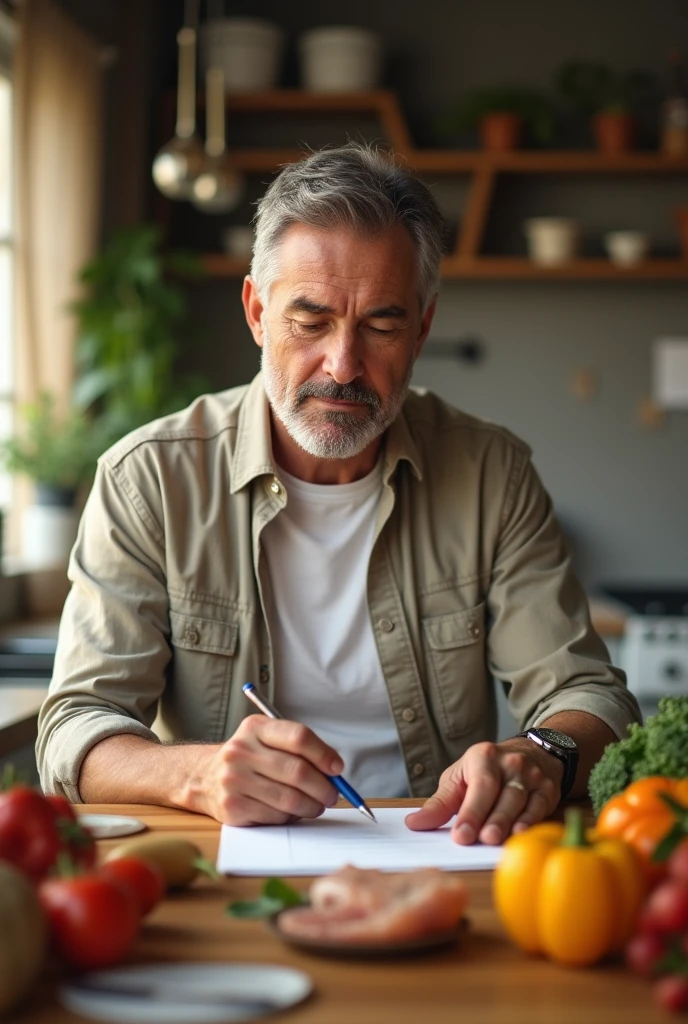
(673, 670)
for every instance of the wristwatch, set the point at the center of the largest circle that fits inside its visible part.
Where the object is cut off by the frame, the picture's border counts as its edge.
(559, 745)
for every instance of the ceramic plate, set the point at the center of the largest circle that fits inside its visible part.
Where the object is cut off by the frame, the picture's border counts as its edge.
(185, 993)
(109, 826)
(370, 950)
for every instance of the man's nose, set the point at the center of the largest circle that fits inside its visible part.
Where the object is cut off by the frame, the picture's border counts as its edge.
(343, 357)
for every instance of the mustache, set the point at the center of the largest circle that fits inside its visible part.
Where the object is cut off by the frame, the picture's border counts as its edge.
(352, 392)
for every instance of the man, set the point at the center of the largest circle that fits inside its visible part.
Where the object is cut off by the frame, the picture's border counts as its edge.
(367, 555)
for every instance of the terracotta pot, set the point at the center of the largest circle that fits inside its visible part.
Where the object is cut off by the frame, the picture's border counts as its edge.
(500, 132)
(682, 222)
(614, 132)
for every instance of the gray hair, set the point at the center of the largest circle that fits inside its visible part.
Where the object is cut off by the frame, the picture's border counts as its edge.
(356, 187)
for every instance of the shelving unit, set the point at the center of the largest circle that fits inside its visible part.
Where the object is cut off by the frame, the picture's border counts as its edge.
(484, 169)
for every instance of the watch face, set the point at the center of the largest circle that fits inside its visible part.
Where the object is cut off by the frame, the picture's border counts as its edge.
(560, 738)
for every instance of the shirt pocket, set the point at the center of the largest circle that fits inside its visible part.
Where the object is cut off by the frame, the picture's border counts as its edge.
(203, 656)
(455, 654)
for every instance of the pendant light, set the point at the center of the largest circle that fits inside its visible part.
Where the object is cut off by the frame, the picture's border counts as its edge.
(218, 186)
(177, 164)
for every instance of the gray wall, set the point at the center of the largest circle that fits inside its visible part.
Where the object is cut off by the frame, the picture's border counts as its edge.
(621, 489)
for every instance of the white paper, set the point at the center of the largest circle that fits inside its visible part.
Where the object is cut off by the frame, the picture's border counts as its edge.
(339, 837)
(670, 373)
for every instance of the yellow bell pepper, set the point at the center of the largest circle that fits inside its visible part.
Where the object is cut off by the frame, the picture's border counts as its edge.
(560, 892)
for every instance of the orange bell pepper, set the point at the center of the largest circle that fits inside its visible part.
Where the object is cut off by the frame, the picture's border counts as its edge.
(561, 894)
(640, 816)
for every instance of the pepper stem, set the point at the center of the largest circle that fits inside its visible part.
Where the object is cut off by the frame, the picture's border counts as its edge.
(574, 828)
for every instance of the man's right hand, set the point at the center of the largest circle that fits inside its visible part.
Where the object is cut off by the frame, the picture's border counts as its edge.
(269, 772)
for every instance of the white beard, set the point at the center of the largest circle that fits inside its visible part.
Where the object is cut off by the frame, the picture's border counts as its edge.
(330, 434)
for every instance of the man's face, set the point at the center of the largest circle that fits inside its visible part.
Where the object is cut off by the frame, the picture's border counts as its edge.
(340, 332)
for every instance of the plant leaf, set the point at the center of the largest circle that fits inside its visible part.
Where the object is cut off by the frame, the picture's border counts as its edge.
(264, 906)
(276, 889)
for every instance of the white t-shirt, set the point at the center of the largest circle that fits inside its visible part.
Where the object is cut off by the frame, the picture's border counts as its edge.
(327, 669)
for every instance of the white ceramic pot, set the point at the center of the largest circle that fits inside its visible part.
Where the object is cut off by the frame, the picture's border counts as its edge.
(48, 533)
(248, 51)
(626, 247)
(552, 240)
(340, 59)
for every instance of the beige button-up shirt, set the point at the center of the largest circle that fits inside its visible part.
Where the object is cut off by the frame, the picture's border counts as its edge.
(469, 578)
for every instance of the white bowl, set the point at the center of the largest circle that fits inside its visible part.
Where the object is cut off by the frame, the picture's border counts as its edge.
(340, 58)
(625, 248)
(552, 240)
(247, 50)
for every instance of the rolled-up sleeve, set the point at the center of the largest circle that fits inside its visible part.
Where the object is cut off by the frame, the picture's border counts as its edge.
(542, 644)
(112, 648)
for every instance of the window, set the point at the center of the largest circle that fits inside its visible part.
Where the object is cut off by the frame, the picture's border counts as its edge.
(6, 245)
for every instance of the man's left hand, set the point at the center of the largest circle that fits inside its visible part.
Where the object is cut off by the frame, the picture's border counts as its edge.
(494, 789)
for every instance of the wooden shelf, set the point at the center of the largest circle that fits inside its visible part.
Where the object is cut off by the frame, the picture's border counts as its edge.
(484, 169)
(217, 265)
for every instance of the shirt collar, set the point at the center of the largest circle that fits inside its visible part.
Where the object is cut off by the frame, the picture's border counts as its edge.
(253, 454)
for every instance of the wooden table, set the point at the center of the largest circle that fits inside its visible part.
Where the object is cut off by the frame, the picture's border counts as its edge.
(19, 707)
(483, 980)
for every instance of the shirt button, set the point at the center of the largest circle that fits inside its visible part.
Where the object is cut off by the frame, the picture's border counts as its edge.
(264, 674)
(408, 714)
(192, 636)
(276, 487)
(386, 625)
(418, 768)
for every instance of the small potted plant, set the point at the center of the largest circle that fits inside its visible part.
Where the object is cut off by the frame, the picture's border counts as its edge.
(502, 117)
(58, 453)
(608, 99)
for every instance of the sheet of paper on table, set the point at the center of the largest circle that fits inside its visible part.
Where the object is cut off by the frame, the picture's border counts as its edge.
(342, 837)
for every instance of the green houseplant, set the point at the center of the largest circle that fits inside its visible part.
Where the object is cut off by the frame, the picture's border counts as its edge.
(607, 98)
(129, 324)
(58, 453)
(501, 116)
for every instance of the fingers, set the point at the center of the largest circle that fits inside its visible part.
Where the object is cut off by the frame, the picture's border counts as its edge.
(265, 775)
(484, 783)
(293, 738)
(516, 807)
(443, 805)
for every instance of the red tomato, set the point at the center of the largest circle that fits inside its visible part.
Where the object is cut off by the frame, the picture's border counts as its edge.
(77, 841)
(142, 877)
(29, 837)
(667, 908)
(677, 863)
(643, 952)
(93, 920)
(671, 992)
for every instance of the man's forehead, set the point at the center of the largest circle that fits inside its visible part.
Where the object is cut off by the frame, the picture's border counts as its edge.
(316, 267)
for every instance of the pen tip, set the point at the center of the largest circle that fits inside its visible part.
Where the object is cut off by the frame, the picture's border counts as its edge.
(368, 813)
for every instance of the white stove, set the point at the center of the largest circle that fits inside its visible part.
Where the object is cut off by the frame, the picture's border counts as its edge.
(654, 649)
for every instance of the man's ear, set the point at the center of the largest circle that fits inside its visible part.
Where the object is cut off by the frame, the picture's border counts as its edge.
(253, 309)
(425, 325)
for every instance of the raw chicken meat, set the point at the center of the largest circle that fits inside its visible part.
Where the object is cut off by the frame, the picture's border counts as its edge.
(361, 905)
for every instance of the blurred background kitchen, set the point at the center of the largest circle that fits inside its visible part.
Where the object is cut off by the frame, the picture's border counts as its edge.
(135, 138)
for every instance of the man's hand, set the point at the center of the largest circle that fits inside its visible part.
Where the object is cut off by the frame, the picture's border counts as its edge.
(268, 773)
(494, 789)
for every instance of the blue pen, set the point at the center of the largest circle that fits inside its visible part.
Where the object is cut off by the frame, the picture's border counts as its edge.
(340, 784)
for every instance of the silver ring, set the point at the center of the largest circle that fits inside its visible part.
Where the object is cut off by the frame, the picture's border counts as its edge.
(516, 784)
